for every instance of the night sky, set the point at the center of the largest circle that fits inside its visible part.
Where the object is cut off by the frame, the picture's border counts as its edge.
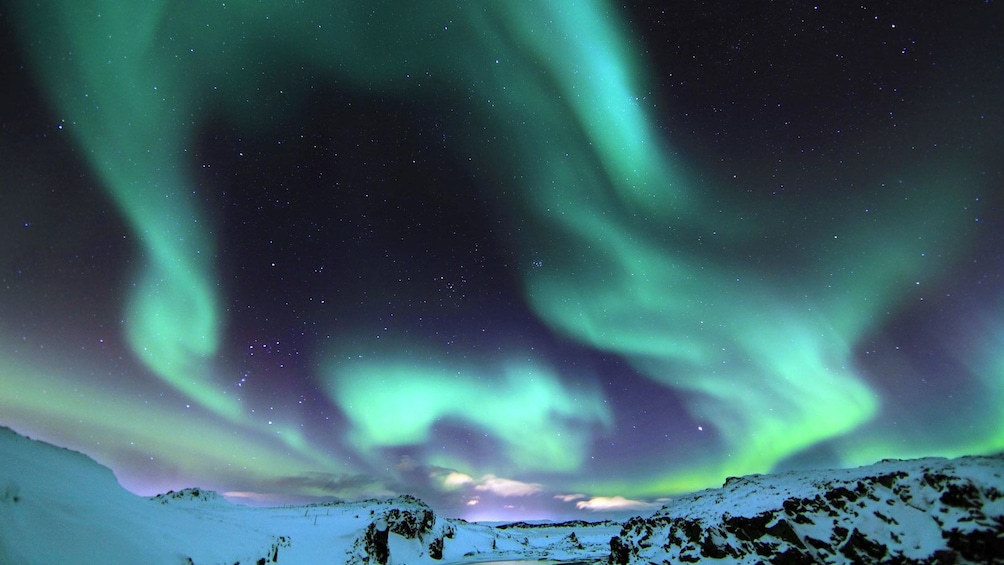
(522, 260)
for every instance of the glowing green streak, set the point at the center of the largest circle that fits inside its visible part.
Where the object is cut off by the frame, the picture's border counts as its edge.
(677, 318)
(762, 356)
(54, 403)
(993, 377)
(542, 424)
(979, 429)
(765, 361)
(130, 112)
(583, 48)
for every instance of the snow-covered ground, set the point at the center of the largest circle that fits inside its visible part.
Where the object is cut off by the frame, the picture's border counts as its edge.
(59, 506)
(925, 510)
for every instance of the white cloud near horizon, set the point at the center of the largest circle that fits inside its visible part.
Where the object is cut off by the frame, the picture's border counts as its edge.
(456, 479)
(499, 486)
(570, 497)
(613, 503)
(507, 487)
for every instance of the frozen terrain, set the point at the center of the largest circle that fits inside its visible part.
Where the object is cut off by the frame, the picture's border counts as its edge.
(917, 511)
(59, 506)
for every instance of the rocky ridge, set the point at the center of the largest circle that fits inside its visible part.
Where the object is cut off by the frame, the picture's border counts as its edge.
(920, 511)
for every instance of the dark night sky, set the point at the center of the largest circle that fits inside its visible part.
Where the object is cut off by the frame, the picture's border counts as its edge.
(524, 261)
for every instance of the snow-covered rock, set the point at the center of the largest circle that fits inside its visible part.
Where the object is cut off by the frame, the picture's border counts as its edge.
(186, 495)
(920, 511)
(58, 506)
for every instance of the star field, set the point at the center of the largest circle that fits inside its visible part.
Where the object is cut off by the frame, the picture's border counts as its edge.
(522, 262)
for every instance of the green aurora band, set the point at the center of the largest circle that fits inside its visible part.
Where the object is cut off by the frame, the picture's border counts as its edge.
(625, 249)
(49, 398)
(399, 397)
(132, 118)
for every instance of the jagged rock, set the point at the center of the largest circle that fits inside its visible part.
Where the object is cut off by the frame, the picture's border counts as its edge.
(188, 494)
(409, 518)
(892, 512)
(410, 524)
(985, 545)
(860, 548)
(783, 531)
(573, 541)
(620, 553)
(711, 548)
(436, 549)
(375, 542)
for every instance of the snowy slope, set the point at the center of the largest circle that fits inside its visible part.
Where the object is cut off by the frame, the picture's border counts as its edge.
(925, 510)
(58, 506)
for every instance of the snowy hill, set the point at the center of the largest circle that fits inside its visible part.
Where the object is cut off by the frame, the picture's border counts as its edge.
(58, 506)
(923, 511)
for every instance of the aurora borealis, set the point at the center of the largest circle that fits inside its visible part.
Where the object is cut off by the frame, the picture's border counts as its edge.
(520, 260)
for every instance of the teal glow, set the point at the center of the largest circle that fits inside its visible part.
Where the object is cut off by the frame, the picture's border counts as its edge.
(977, 425)
(396, 400)
(147, 440)
(623, 248)
(130, 111)
(632, 253)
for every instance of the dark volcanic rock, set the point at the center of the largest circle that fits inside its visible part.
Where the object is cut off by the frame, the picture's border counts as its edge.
(985, 545)
(922, 511)
(375, 542)
(436, 548)
(410, 523)
(409, 518)
(188, 494)
(620, 554)
(860, 548)
(748, 529)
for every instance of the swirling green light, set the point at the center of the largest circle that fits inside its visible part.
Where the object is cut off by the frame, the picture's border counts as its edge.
(632, 255)
(147, 440)
(129, 108)
(398, 398)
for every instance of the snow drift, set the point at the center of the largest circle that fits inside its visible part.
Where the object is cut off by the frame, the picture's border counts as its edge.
(918, 511)
(59, 506)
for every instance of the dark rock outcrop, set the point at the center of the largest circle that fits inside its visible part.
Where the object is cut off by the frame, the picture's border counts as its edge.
(923, 511)
(407, 517)
(375, 542)
(185, 495)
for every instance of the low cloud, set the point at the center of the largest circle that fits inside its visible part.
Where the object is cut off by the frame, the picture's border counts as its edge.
(570, 497)
(456, 479)
(254, 497)
(613, 503)
(309, 488)
(453, 480)
(507, 487)
(331, 485)
(407, 463)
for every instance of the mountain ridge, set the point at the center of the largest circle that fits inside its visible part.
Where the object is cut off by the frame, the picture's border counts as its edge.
(930, 510)
(57, 506)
